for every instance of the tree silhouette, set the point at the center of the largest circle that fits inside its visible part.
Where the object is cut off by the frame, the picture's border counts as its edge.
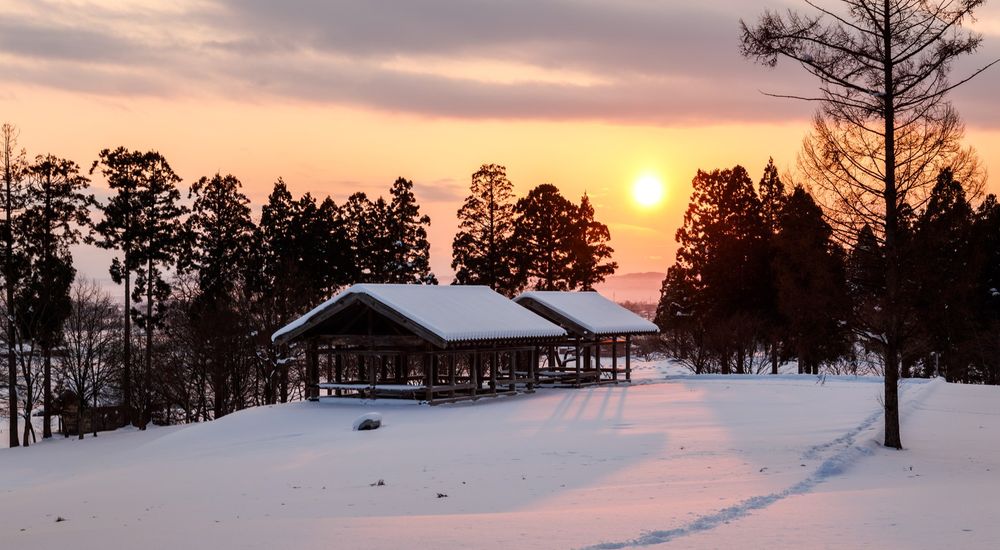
(544, 235)
(481, 251)
(591, 253)
(883, 70)
(13, 188)
(56, 210)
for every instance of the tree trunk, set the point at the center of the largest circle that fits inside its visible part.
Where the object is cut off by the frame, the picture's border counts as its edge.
(774, 357)
(47, 393)
(148, 360)
(127, 351)
(79, 413)
(892, 436)
(9, 287)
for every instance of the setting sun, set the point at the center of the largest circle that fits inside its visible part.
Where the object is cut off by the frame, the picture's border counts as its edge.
(647, 191)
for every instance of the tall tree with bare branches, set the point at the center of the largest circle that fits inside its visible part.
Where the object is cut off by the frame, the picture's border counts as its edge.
(883, 124)
(13, 188)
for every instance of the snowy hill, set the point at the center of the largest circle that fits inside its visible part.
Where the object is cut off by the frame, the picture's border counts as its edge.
(707, 462)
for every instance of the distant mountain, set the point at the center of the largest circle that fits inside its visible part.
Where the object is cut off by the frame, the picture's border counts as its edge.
(633, 287)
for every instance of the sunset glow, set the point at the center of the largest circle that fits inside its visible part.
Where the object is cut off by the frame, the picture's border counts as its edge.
(325, 96)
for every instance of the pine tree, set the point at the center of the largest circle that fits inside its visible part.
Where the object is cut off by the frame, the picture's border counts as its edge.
(220, 231)
(408, 250)
(481, 251)
(118, 230)
(364, 229)
(772, 201)
(56, 210)
(945, 276)
(591, 252)
(811, 288)
(142, 220)
(544, 233)
(722, 258)
(160, 241)
(274, 273)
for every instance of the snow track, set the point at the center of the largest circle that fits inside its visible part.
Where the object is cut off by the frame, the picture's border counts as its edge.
(840, 454)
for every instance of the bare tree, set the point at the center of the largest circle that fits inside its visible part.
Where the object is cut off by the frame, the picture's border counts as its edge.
(883, 69)
(13, 166)
(89, 335)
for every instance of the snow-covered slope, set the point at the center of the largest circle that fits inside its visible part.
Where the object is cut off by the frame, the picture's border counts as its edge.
(703, 462)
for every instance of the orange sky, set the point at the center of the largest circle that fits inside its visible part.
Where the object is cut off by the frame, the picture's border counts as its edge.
(259, 131)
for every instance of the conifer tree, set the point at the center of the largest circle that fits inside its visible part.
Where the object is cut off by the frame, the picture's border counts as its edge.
(772, 201)
(945, 275)
(591, 253)
(408, 250)
(142, 220)
(56, 210)
(220, 231)
(481, 251)
(118, 230)
(722, 259)
(809, 271)
(160, 243)
(544, 234)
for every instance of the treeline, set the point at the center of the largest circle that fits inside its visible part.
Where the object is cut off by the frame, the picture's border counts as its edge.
(206, 282)
(761, 278)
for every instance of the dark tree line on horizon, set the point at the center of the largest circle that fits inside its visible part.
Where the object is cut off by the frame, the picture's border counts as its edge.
(205, 282)
(761, 280)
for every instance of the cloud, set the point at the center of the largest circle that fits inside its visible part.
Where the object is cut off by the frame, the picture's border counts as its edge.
(634, 61)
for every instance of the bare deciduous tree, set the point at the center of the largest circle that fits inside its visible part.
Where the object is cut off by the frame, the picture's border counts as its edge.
(883, 120)
(89, 336)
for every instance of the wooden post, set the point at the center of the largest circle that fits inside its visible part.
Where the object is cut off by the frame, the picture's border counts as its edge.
(597, 357)
(329, 368)
(614, 358)
(532, 367)
(474, 372)
(372, 374)
(493, 372)
(429, 376)
(338, 372)
(452, 363)
(578, 359)
(312, 371)
(628, 358)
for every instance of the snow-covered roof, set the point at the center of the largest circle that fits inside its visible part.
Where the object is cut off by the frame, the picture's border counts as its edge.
(452, 313)
(588, 311)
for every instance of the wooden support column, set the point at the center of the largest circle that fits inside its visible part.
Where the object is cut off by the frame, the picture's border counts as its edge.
(628, 358)
(493, 372)
(474, 372)
(452, 363)
(614, 358)
(532, 368)
(338, 371)
(312, 371)
(329, 368)
(373, 374)
(429, 376)
(578, 359)
(597, 357)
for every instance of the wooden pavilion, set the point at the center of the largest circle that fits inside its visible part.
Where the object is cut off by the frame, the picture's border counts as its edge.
(597, 331)
(424, 342)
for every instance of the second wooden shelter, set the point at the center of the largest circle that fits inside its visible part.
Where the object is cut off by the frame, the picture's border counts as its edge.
(597, 331)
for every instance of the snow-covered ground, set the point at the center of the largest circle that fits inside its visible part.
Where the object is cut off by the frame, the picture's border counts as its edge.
(704, 462)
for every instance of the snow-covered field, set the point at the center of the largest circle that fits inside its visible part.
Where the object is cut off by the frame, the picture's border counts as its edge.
(706, 462)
